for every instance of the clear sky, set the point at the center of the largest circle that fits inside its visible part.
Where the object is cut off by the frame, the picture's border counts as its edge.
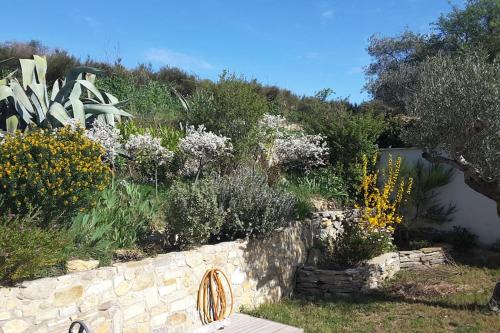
(300, 45)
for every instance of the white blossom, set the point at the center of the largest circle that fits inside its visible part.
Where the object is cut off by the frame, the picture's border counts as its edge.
(107, 135)
(202, 147)
(147, 151)
(272, 123)
(301, 150)
(286, 145)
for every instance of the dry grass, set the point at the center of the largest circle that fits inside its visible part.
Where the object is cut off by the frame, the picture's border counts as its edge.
(443, 299)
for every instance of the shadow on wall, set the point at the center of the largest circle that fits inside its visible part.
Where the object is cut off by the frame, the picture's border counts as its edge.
(475, 212)
(273, 261)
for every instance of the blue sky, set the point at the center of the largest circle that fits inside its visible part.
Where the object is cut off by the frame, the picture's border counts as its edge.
(300, 45)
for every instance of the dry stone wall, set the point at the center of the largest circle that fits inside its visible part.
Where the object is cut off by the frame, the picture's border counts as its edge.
(314, 283)
(327, 284)
(156, 294)
(422, 258)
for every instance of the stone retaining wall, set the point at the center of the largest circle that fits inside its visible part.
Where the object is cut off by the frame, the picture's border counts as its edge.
(422, 258)
(314, 283)
(156, 294)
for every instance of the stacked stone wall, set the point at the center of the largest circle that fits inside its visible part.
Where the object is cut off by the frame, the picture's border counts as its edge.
(155, 294)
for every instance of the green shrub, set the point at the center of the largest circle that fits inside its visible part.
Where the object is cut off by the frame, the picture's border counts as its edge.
(252, 207)
(232, 107)
(169, 137)
(463, 240)
(54, 171)
(27, 251)
(193, 213)
(121, 219)
(323, 182)
(147, 99)
(349, 135)
(352, 246)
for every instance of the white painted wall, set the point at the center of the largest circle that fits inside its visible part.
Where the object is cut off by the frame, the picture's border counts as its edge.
(474, 211)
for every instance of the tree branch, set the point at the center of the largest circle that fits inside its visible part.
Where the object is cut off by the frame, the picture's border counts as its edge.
(440, 159)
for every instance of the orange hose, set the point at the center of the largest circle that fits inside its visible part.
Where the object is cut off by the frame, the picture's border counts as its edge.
(212, 299)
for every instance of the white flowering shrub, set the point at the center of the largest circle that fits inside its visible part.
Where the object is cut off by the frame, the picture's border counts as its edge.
(301, 151)
(271, 123)
(147, 155)
(202, 147)
(290, 148)
(106, 135)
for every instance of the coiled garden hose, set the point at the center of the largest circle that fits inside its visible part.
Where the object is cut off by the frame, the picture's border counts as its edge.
(212, 297)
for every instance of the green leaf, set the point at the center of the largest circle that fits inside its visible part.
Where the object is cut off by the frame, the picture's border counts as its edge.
(78, 111)
(20, 96)
(6, 79)
(75, 72)
(28, 71)
(41, 68)
(11, 123)
(5, 91)
(58, 112)
(40, 110)
(55, 90)
(89, 86)
(64, 91)
(105, 109)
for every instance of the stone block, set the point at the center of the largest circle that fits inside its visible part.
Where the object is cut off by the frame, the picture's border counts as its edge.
(15, 326)
(99, 287)
(78, 265)
(68, 296)
(134, 310)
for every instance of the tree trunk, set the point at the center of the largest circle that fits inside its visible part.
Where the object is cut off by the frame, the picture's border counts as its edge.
(490, 189)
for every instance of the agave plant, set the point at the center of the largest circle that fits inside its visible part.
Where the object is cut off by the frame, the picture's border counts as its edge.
(75, 98)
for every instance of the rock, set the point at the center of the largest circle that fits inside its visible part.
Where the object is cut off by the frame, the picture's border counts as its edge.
(122, 288)
(314, 257)
(78, 265)
(68, 296)
(494, 303)
(177, 318)
(15, 326)
(4, 315)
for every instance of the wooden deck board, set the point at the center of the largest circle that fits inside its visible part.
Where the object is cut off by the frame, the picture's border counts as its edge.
(241, 323)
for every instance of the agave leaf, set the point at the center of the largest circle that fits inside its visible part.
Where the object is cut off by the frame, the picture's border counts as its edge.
(41, 110)
(5, 91)
(58, 112)
(110, 119)
(99, 109)
(75, 72)
(41, 68)
(55, 90)
(112, 99)
(75, 92)
(20, 96)
(64, 91)
(181, 99)
(6, 79)
(21, 110)
(38, 89)
(91, 78)
(11, 123)
(78, 111)
(89, 86)
(28, 71)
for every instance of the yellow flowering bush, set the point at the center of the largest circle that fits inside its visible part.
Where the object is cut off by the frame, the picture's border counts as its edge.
(381, 201)
(53, 171)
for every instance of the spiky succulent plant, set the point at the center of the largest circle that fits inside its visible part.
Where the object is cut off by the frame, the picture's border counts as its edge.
(30, 103)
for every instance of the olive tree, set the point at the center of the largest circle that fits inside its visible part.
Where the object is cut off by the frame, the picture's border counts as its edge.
(456, 106)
